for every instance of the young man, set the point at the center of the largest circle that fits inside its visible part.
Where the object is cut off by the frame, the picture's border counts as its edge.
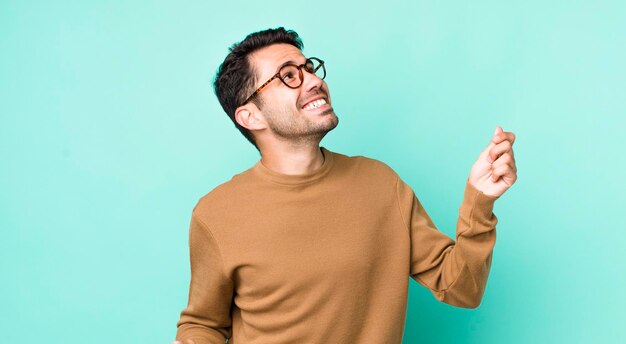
(312, 246)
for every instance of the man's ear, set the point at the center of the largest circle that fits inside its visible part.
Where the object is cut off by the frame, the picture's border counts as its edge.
(249, 117)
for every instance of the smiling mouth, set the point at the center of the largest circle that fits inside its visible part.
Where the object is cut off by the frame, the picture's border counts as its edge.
(312, 105)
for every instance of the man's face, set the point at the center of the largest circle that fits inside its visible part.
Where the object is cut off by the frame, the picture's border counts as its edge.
(284, 108)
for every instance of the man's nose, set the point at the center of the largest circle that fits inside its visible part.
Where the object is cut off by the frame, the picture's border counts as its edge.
(311, 81)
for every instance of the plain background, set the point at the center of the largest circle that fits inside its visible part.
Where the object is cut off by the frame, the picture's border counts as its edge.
(110, 133)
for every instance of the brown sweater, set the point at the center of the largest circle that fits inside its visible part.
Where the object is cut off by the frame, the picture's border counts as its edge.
(325, 257)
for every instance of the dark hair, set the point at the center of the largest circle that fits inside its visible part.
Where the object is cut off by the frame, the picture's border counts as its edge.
(236, 77)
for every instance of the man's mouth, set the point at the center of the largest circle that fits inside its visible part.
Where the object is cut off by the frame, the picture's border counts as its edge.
(314, 104)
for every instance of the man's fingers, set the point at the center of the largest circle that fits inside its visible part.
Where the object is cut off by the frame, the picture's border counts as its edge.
(499, 149)
(498, 172)
(504, 159)
(499, 135)
(501, 142)
(499, 166)
(502, 170)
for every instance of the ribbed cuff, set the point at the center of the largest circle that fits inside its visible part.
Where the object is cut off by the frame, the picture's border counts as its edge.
(476, 211)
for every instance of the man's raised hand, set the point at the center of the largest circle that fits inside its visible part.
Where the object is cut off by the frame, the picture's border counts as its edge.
(495, 171)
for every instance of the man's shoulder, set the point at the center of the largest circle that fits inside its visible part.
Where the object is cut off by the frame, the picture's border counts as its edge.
(366, 166)
(225, 194)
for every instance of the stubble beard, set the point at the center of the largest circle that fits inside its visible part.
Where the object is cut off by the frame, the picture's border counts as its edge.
(298, 128)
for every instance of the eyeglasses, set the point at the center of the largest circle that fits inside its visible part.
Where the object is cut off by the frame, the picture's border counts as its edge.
(287, 74)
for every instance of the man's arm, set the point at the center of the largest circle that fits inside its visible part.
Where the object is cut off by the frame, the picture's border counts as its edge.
(455, 272)
(206, 320)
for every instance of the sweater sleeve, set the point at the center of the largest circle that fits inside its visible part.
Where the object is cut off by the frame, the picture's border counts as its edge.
(455, 272)
(206, 320)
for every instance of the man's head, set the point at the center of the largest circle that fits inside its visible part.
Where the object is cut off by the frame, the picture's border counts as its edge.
(277, 112)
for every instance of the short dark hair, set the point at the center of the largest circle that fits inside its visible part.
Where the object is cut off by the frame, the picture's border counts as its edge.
(236, 77)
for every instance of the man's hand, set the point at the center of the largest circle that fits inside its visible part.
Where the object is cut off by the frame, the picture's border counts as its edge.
(495, 171)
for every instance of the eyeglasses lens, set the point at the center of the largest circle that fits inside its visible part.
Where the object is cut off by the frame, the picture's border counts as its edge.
(290, 74)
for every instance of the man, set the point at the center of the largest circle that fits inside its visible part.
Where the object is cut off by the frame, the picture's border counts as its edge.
(312, 246)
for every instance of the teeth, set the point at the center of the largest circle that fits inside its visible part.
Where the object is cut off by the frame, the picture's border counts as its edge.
(315, 104)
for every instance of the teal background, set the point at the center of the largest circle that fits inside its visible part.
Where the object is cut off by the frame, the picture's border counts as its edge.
(110, 133)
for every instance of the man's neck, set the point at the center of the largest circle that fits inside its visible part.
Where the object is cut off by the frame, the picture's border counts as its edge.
(292, 160)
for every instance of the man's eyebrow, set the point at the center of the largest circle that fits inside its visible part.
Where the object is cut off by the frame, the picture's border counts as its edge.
(286, 63)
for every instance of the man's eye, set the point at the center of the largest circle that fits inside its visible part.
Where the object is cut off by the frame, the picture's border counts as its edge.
(288, 75)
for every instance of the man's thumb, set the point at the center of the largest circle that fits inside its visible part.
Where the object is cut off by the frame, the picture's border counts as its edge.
(496, 132)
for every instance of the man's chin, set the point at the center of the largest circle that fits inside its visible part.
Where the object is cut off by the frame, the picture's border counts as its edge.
(328, 115)
(333, 120)
(322, 127)
(330, 111)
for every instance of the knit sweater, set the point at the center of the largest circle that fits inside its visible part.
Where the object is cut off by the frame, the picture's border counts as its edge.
(325, 257)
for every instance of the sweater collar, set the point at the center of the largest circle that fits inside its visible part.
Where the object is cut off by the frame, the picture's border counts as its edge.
(298, 179)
